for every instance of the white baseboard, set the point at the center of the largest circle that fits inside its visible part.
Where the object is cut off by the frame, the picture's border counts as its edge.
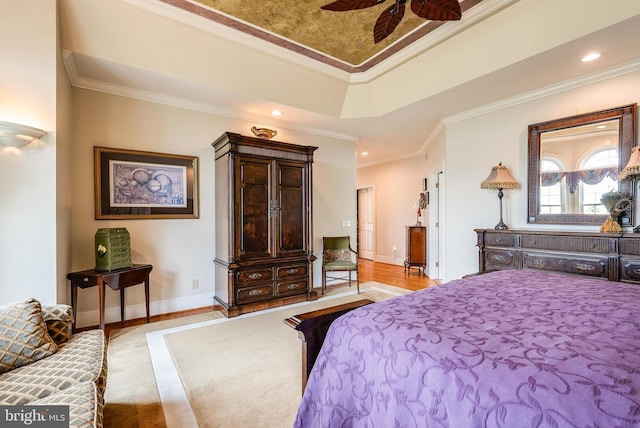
(390, 260)
(112, 314)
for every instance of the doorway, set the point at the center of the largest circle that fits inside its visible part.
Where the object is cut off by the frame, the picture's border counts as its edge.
(365, 223)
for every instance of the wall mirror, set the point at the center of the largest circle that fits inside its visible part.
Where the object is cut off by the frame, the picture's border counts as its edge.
(573, 160)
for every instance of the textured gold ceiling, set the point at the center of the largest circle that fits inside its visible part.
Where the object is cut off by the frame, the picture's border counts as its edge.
(341, 39)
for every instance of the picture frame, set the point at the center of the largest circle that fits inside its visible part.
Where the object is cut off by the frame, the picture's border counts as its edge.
(424, 184)
(134, 184)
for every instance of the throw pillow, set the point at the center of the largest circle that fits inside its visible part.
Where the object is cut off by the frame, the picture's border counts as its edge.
(336, 256)
(23, 335)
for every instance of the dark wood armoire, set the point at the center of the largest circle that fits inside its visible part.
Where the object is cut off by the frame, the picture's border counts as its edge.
(264, 250)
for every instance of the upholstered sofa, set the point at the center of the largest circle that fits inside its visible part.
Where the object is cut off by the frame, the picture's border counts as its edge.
(43, 363)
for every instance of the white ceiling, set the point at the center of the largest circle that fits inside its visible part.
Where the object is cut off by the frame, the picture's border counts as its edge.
(106, 45)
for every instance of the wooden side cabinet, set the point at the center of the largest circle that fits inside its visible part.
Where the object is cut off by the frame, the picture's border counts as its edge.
(264, 246)
(416, 253)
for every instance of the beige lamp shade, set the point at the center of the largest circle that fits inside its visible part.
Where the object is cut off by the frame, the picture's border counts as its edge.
(500, 178)
(632, 169)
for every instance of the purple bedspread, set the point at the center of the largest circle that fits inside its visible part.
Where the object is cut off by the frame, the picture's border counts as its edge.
(507, 349)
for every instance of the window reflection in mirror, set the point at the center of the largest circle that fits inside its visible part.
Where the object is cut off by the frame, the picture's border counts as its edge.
(577, 166)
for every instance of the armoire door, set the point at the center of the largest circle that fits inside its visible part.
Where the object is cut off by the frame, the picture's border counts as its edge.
(290, 215)
(254, 208)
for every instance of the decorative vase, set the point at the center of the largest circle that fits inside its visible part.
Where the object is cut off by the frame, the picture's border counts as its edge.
(610, 226)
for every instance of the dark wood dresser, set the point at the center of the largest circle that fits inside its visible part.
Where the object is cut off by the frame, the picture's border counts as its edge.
(613, 257)
(264, 245)
(416, 252)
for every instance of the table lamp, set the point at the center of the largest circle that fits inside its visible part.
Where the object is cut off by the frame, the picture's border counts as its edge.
(500, 178)
(632, 171)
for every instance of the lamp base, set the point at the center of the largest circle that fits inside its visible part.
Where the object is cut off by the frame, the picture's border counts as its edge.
(502, 226)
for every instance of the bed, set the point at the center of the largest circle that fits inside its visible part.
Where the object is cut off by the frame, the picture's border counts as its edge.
(513, 348)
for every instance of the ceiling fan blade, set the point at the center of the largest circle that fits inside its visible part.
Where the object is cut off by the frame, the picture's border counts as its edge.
(344, 5)
(388, 21)
(437, 10)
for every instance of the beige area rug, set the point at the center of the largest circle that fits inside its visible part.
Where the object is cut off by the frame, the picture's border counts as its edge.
(210, 371)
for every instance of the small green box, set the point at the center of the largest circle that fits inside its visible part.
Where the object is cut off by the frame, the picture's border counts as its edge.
(113, 248)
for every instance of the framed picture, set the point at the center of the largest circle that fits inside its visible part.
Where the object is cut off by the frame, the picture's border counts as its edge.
(424, 184)
(131, 184)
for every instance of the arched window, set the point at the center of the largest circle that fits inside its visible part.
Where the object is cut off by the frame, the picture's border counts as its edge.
(590, 194)
(551, 197)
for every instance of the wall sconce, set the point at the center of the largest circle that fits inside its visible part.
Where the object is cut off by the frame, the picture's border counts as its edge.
(632, 172)
(16, 135)
(500, 178)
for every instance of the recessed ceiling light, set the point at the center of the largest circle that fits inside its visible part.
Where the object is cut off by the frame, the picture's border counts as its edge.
(365, 153)
(276, 113)
(591, 57)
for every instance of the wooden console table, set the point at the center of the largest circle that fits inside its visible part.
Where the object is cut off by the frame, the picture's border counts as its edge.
(117, 279)
(312, 328)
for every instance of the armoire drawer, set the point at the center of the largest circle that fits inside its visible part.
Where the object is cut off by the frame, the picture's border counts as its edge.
(288, 288)
(254, 294)
(248, 277)
(291, 271)
(588, 266)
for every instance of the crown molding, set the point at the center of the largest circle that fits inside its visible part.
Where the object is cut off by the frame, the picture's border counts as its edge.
(479, 12)
(109, 88)
(193, 20)
(620, 70)
(311, 58)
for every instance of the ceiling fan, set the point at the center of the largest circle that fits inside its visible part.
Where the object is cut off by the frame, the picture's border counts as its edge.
(434, 10)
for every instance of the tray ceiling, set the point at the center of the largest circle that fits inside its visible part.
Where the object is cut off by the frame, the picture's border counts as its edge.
(341, 39)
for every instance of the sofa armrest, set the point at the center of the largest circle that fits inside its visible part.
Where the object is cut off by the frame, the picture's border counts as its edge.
(59, 319)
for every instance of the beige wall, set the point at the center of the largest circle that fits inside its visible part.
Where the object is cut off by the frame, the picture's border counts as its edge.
(475, 144)
(28, 214)
(397, 186)
(181, 250)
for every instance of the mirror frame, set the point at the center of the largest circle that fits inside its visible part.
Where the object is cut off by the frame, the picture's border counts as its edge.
(626, 116)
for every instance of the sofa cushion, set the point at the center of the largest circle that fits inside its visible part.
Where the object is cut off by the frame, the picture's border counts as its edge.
(23, 335)
(85, 406)
(81, 359)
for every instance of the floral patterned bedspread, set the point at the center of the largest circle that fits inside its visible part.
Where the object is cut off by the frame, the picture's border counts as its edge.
(505, 349)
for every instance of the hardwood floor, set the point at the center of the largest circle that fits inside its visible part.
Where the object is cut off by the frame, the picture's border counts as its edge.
(369, 271)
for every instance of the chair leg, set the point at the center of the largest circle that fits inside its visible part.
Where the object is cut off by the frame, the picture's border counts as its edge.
(349, 279)
(358, 281)
(324, 281)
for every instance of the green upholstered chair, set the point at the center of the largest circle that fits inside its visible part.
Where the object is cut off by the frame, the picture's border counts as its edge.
(336, 257)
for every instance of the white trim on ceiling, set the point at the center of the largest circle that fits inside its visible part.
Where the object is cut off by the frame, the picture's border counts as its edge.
(78, 81)
(620, 70)
(475, 14)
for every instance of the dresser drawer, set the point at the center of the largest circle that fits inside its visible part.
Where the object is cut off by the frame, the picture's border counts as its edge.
(588, 266)
(287, 288)
(249, 277)
(582, 244)
(291, 271)
(630, 246)
(499, 240)
(254, 294)
(630, 269)
(501, 259)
